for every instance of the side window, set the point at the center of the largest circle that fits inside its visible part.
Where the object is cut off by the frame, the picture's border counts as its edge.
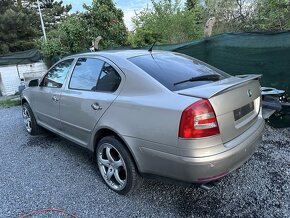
(109, 79)
(56, 76)
(85, 74)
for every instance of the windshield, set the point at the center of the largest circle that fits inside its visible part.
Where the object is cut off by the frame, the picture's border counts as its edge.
(171, 68)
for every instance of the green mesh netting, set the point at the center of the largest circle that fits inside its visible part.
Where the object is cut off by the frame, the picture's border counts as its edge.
(22, 57)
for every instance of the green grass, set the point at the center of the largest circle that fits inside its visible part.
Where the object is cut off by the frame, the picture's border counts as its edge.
(9, 103)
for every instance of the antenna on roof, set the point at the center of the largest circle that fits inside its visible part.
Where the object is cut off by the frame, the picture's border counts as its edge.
(151, 48)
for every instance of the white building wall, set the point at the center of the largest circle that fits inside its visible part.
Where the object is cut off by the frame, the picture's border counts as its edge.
(9, 80)
(32, 71)
(10, 76)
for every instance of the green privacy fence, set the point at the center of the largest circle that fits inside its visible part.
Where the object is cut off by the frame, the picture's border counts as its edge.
(244, 53)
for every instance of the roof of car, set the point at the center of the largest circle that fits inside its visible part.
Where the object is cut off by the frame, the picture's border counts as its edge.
(118, 53)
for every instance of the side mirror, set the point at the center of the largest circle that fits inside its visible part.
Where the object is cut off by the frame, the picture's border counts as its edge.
(33, 83)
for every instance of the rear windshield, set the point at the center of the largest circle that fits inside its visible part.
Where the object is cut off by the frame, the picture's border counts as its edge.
(171, 68)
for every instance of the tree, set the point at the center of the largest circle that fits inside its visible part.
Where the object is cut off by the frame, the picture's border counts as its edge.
(53, 12)
(272, 15)
(17, 31)
(166, 22)
(5, 4)
(20, 23)
(192, 4)
(104, 19)
(76, 33)
(231, 15)
(71, 36)
(248, 15)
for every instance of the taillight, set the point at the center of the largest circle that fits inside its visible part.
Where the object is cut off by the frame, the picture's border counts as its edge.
(198, 120)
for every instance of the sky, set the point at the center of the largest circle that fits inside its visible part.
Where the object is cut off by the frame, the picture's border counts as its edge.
(128, 6)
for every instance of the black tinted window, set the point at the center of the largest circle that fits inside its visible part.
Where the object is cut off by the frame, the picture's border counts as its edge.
(169, 68)
(56, 76)
(109, 80)
(86, 73)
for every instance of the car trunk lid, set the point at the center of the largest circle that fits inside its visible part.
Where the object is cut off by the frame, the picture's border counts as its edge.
(235, 100)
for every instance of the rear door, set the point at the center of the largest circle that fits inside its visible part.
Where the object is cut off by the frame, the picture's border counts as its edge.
(92, 88)
(46, 96)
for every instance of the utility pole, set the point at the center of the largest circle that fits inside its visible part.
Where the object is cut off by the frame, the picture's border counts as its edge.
(41, 20)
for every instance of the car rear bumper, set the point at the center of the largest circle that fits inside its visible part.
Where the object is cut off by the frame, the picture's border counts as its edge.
(197, 169)
(205, 169)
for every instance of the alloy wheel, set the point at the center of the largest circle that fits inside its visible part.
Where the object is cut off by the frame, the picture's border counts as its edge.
(112, 166)
(27, 119)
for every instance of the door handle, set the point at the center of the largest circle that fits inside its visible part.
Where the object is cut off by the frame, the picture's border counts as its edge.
(54, 98)
(96, 106)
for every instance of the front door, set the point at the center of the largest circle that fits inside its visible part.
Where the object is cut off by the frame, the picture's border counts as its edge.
(92, 89)
(47, 95)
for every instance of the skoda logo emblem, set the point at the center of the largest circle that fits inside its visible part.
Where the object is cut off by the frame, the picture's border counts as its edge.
(250, 94)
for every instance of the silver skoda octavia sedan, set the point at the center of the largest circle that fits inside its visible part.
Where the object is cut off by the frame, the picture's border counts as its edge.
(147, 113)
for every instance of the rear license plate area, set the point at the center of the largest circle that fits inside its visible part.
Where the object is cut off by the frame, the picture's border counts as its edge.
(243, 111)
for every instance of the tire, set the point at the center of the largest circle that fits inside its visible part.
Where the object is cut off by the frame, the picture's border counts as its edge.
(118, 169)
(29, 120)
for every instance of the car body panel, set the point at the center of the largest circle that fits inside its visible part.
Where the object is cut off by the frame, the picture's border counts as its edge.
(211, 90)
(225, 102)
(194, 164)
(80, 102)
(79, 128)
(47, 109)
(149, 118)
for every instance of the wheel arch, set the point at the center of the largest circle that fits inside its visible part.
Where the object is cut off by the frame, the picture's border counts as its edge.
(24, 100)
(103, 132)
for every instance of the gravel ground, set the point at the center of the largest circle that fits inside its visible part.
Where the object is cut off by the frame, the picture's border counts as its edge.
(47, 172)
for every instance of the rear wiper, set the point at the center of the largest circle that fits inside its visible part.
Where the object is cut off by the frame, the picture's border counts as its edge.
(210, 77)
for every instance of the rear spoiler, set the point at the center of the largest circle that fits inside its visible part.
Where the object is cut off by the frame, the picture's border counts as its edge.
(212, 89)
